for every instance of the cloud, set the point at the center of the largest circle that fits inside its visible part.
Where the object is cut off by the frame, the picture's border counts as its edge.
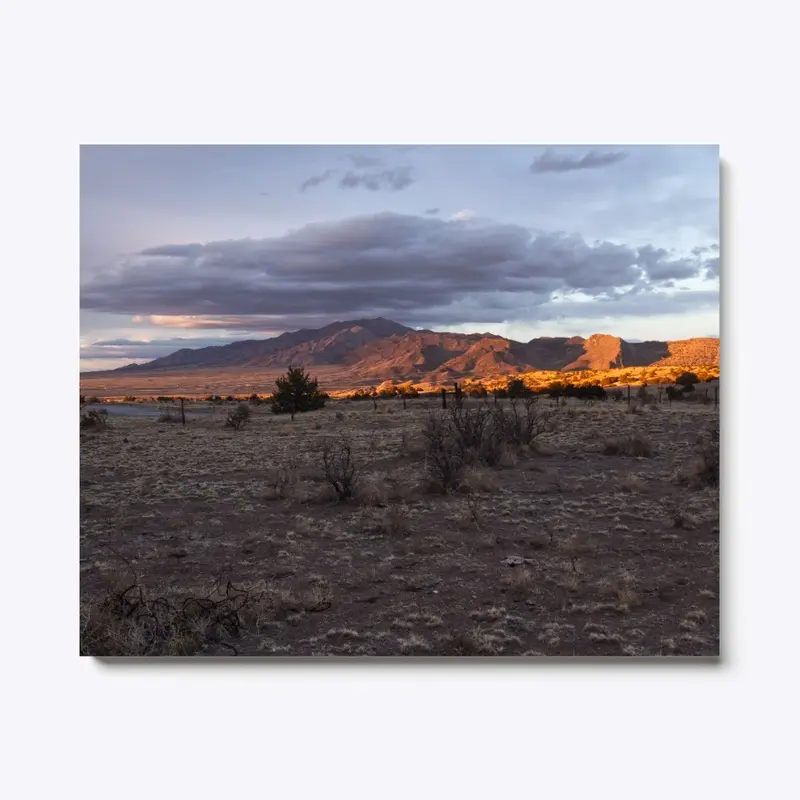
(464, 214)
(712, 268)
(415, 269)
(363, 162)
(145, 350)
(550, 161)
(432, 211)
(316, 180)
(395, 179)
(659, 266)
(121, 342)
(260, 323)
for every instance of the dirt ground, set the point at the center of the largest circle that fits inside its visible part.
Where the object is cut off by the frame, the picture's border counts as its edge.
(564, 551)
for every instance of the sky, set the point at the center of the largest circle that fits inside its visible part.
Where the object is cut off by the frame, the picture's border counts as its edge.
(190, 246)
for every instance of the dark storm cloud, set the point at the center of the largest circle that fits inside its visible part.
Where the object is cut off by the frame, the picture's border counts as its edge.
(432, 211)
(395, 179)
(409, 268)
(550, 161)
(316, 180)
(660, 267)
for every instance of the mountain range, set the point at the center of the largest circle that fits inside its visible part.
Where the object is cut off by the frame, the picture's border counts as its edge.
(379, 349)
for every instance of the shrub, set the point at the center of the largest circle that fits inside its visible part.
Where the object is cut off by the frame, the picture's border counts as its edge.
(135, 621)
(443, 460)
(522, 426)
(687, 380)
(238, 417)
(129, 398)
(340, 471)
(516, 388)
(94, 418)
(635, 445)
(468, 426)
(297, 392)
(283, 479)
(705, 470)
(463, 436)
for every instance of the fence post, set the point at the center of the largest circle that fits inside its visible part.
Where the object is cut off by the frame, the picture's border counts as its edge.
(374, 402)
(716, 396)
(444, 398)
(404, 400)
(629, 394)
(183, 415)
(660, 389)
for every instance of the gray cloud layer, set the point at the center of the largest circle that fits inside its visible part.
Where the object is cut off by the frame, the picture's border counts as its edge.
(141, 350)
(393, 179)
(316, 180)
(550, 161)
(415, 269)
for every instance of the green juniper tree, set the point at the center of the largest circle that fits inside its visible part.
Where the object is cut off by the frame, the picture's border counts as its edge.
(296, 392)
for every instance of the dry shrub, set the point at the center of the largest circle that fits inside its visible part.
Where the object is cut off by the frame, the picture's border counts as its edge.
(519, 581)
(473, 642)
(283, 479)
(703, 470)
(396, 520)
(443, 461)
(487, 435)
(413, 447)
(479, 480)
(630, 482)
(237, 418)
(134, 621)
(635, 444)
(707, 473)
(470, 514)
(94, 418)
(340, 471)
(169, 415)
(373, 491)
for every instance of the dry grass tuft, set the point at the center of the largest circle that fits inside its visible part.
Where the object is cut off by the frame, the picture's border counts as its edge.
(635, 444)
(395, 520)
(519, 582)
(631, 483)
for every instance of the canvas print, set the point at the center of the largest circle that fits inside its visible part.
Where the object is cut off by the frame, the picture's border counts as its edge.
(399, 401)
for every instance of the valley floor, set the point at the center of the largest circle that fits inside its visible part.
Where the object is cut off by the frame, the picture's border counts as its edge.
(204, 540)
